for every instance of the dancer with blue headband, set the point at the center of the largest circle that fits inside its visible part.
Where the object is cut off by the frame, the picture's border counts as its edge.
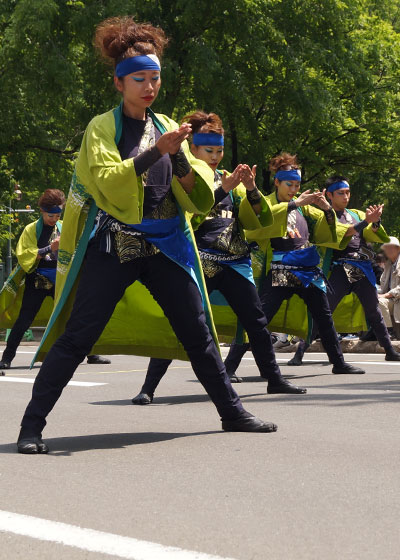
(127, 220)
(292, 261)
(225, 254)
(351, 269)
(27, 296)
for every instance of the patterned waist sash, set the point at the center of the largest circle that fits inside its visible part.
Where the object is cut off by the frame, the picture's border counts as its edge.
(363, 268)
(217, 256)
(302, 263)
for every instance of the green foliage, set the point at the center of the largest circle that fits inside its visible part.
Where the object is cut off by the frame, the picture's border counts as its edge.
(317, 78)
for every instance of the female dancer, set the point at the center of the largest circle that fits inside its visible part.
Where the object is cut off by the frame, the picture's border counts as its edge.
(135, 173)
(225, 254)
(35, 275)
(293, 268)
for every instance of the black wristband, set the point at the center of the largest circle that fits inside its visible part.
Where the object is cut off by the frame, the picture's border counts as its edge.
(361, 226)
(180, 165)
(44, 251)
(330, 216)
(254, 196)
(146, 159)
(376, 225)
(291, 206)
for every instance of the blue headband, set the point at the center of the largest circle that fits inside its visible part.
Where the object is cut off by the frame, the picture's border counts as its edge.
(137, 64)
(339, 185)
(51, 209)
(208, 139)
(290, 175)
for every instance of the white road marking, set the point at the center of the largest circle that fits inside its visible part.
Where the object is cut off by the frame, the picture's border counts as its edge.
(94, 541)
(306, 360)
(31, 380)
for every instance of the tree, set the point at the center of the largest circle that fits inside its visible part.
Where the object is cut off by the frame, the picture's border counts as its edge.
(319, 79)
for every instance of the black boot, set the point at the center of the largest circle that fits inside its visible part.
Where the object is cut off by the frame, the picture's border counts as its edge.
(347, 369)
(248, 424)
(234, 378)
(392, 334)
(297, 359)
(142, 398)
(31, 445)
(369, 336)
(284, 386)
(96, 359)
(5, 365)
(392, 355)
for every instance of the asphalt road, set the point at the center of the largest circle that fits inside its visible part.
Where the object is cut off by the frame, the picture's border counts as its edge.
(325, 486)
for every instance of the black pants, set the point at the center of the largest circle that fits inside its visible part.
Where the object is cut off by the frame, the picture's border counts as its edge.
(243, 298)
(317, 304)
(31, 302)
(368, 297)
(102, 284)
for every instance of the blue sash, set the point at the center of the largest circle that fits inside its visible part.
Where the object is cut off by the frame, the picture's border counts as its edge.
(168, 237)
(242, 265)
(305, 263)
(364, 266)
(49, 273)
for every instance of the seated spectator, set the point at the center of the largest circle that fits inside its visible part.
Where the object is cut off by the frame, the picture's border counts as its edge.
(389, 297)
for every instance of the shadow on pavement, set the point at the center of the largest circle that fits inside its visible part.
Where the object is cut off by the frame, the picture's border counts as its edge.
(259, 379)
(172, 399)
(388, 391)
(76, 444)
(387, 385)
(361, 394)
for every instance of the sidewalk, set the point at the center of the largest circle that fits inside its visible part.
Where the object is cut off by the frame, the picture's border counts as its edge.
(348, 346)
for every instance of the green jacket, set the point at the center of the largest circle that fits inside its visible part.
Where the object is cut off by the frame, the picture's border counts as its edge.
(292, 316)
(101, 179)
(13, 290)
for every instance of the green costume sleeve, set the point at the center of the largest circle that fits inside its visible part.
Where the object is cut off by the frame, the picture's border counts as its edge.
(27, 250)
(278, 226)
(323, 234)
(247, 217)
(371, 236)
(111, 182)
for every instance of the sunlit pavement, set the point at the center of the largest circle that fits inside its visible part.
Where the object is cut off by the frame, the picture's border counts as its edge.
(325, 486)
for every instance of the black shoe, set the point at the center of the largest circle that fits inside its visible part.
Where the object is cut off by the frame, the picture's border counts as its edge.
(234, 378)
(369, 336)
(249, 424)
(295, 361)
(2, 373)
(347, 368)
(142, 398)
(392, 334)
(5, 365)
(392, 355)
(32, 445)
(95, 359)
(285, 387)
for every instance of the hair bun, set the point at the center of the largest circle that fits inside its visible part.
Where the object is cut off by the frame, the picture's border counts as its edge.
(284, 159)
(210, 121)
(121, 37)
